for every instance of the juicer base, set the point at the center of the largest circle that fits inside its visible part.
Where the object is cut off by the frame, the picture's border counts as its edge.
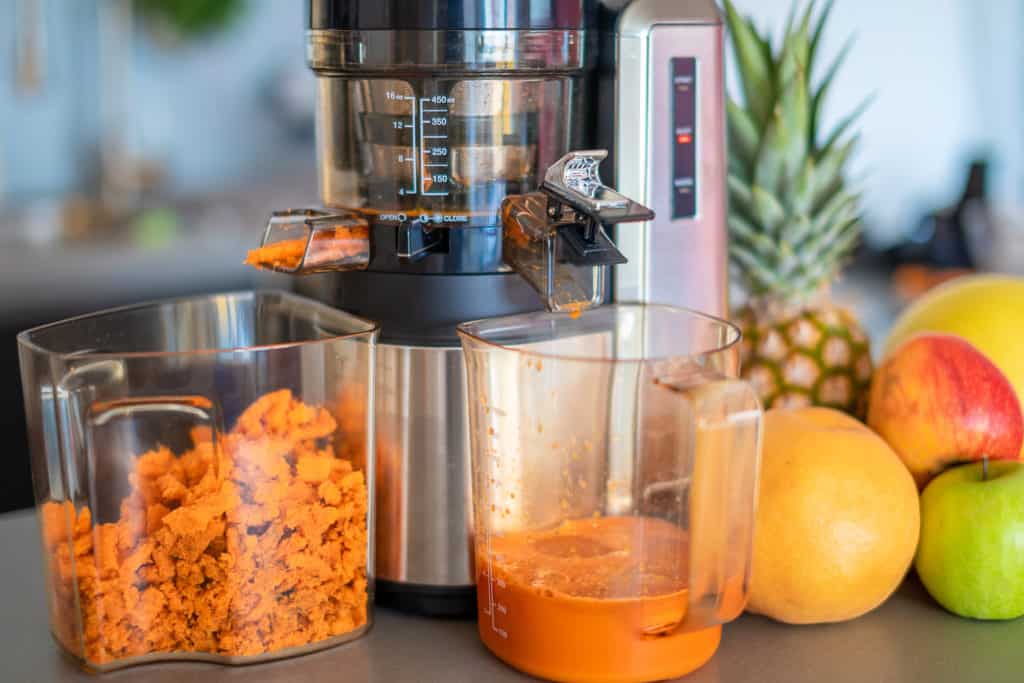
(452, 602)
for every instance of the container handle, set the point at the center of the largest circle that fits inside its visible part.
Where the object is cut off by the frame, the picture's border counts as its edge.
(716, 493)
(200, 407)
(726, 422)
(80, 412)
(87, 417)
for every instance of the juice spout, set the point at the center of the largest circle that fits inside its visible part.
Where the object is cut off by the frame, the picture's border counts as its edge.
(305, 241)
(557, 238)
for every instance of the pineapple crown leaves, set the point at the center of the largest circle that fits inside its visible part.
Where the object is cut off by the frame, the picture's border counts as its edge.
(793, 220)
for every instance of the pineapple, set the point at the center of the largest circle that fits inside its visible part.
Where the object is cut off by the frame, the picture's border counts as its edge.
(793, 221)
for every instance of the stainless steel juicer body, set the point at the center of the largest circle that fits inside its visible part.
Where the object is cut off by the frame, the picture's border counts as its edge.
(668, 137)
(430, 113)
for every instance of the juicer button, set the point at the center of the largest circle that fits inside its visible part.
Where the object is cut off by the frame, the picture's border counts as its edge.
(684, 137)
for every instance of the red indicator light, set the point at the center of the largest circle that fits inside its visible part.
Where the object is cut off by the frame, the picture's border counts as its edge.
(684, 139)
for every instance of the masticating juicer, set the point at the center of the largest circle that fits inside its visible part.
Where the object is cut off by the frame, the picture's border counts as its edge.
(430, 115)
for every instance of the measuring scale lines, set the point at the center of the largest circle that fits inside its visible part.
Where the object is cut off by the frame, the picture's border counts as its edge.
(434, 150)
(429, 156)
(494, 606)
(411, 125)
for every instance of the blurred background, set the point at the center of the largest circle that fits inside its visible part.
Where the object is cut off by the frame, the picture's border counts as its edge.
(145, 141)
(143, 144)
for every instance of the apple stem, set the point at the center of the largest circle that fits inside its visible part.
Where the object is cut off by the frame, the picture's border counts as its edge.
(984, 468)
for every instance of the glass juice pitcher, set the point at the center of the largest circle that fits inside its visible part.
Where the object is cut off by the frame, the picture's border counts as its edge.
(615, 467)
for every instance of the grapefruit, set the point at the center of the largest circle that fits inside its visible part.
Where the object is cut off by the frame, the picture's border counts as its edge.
(837, 519)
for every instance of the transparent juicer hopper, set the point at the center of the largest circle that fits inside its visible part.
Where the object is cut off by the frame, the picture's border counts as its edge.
(615, 470)
(417, 154)
(418, 163)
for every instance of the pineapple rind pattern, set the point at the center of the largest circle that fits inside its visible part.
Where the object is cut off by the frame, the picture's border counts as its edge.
(836, 380)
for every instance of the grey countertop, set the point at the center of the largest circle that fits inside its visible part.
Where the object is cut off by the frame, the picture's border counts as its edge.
(908, 639)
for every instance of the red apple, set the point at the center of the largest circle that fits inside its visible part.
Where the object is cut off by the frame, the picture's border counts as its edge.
(938, 401)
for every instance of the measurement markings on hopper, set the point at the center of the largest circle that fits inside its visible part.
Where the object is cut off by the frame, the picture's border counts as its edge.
(411, 125)
(434, 113)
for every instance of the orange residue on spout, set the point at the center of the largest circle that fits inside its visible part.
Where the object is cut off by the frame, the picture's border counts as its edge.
(331, 247)
(513, 228)
(286, 254)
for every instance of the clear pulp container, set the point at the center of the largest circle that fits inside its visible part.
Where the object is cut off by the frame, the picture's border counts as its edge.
(615, 467)
(202, 477)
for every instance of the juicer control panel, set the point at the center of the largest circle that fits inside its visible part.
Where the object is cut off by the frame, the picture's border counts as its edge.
(670, 76)
(684, 137)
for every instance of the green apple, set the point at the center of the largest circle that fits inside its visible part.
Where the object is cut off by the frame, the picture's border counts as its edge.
(971, 553)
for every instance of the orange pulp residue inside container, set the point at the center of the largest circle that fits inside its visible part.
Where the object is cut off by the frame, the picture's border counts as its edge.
(251, 544)
(594, 600)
